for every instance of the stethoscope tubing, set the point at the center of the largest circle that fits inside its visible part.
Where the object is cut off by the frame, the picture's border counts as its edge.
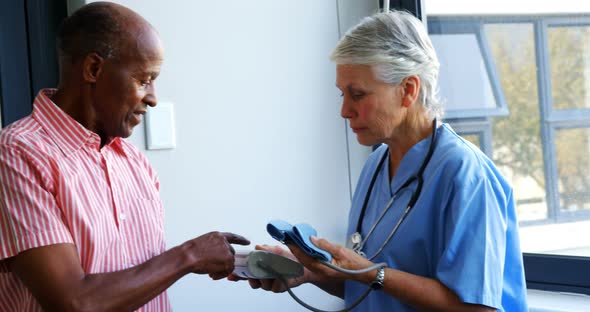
(416, 194)
(413, 200)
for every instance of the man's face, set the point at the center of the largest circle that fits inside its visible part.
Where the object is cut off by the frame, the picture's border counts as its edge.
(126, 85)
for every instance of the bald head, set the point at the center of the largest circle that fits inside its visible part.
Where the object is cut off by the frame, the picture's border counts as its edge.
(104, 28)
(109, 59)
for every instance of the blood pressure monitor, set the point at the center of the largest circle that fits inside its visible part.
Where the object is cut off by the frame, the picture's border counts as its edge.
(260, 264)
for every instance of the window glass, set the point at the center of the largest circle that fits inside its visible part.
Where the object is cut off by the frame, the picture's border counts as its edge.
(573, 166)
(569, 59)
(469, 88)
(517, 146)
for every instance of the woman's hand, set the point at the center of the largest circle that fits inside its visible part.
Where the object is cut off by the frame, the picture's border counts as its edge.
(341, 257)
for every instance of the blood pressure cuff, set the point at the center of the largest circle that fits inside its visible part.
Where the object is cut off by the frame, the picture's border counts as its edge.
(299, 235)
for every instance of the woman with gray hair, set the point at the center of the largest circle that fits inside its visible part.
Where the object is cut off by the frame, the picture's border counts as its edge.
(428, 204)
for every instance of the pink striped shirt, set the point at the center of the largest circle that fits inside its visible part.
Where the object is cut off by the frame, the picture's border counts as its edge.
(58, 186)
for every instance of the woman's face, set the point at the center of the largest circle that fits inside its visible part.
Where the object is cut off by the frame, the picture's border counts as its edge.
(373, 108)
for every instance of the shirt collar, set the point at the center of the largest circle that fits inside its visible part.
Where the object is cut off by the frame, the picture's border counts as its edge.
(409, 165)
(68, 134)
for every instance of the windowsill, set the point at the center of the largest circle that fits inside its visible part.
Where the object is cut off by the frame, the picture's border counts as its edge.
(558, 239)
(548, 301)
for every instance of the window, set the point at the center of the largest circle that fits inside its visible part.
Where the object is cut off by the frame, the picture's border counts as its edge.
(14, 81)
(464, 45)
(531, 76)
(0, 98)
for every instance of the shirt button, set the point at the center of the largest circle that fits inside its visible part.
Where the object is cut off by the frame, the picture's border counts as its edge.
(91, 140)
(122, 216)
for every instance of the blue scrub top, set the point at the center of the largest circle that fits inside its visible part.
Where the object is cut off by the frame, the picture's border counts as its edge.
(462, 230)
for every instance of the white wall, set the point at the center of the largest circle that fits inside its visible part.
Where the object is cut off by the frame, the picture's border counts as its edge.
(350, 13)
(258, 130)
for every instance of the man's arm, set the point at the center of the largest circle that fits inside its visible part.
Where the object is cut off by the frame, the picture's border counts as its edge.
(55, 276)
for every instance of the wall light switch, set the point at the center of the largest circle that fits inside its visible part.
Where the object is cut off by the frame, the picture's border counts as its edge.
(159, 123)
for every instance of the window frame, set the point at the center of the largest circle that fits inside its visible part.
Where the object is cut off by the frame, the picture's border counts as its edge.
(555, 119)
(551, 119)
(478, 126)
(544, 271)
(28, 57)
(14, 73)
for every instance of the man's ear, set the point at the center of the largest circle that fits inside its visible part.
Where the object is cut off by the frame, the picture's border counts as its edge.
(411, 89)
(92, 67)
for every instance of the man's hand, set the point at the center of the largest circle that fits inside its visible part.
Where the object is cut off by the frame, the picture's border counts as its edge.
(213, 254)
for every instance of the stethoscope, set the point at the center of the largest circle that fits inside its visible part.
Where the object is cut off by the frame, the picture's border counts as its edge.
(357, 242)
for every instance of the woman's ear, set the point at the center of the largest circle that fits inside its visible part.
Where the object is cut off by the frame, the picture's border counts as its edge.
(92, 67)
(411, 89)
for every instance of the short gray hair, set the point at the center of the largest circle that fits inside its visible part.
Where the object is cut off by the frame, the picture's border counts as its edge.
(396, 45)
